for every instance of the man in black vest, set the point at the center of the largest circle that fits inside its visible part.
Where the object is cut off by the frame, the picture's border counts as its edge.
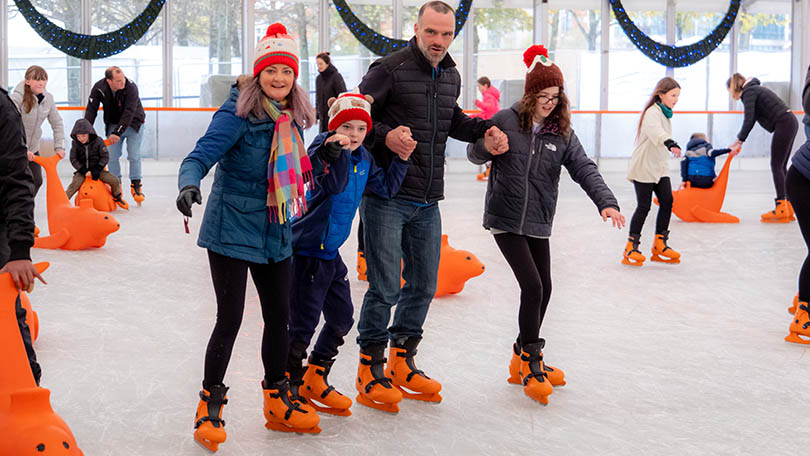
(123, 120)
(17, 214)
(415, 110)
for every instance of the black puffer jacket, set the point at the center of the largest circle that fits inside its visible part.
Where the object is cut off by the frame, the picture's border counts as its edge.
(328, 84)
(122, 108)
(761, 105)
(408, 91)
(524, 182)
(92, 156)
(16, 186)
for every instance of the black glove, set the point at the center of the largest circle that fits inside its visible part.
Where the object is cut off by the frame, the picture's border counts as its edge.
(188, 195)
(95, 173)
(330, 152)
(82, 171)
(671, 144)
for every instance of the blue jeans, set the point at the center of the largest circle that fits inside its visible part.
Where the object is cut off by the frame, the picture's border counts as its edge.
(133, 139)
(398, 231)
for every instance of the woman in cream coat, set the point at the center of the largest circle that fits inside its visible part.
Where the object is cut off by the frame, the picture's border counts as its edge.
(649, 173)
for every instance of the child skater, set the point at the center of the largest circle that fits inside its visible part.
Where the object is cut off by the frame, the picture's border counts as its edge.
(697, 166)
(89, 154)
(319, 273)
(521, 200)
(649, 172)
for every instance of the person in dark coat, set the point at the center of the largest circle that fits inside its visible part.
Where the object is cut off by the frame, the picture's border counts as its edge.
(521, 201)
(328, 84)
(763, 106)
(415, 109)
(89, 154)
(123, 120)
(17, 215)
(262, 168)
(797, 186)
(320, 284)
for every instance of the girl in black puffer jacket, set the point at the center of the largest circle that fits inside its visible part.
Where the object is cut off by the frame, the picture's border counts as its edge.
(522, 198)
(763, 106)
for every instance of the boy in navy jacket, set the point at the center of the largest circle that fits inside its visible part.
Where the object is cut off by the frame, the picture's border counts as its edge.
(320, 281)
(697, 166)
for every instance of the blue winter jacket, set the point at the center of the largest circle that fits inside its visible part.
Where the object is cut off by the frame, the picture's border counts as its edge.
(335, 196)
(237, 220)
(699, 159)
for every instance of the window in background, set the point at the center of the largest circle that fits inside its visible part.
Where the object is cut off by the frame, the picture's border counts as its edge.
(27, 48)
(633, 75)
(301, 19)
(350, 57)
(500, 37)
(764, 47)
(703, 83)
(142, 62)
(207, 52)
(575, 46)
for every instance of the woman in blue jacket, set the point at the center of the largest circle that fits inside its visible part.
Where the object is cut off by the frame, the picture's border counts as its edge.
(262, 166)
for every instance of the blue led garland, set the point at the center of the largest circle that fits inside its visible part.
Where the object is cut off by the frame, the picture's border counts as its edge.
(381, 44)
(675, 56)
(90, 47)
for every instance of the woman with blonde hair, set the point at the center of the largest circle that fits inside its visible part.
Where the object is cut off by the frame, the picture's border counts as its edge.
(36, 104)
(255, 139)
(763, 106)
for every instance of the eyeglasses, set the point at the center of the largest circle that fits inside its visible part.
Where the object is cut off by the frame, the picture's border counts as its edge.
(543, 99)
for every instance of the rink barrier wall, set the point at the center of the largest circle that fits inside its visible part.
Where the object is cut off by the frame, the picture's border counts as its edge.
(171, 133)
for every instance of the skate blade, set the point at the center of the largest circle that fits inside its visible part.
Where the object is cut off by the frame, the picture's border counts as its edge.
(426, 397)
(384, 406)
(273, 426)
(630, 262)
(329, 410)
(207, 444)
(665, 260)
(543, 400)
(514, 380)
(557, 385)
(794, 337)
(776, 220)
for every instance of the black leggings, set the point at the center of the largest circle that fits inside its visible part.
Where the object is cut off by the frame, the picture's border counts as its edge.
(798, 189)
(644, 191)
(782, 142)
(273, 282)
(530, 260)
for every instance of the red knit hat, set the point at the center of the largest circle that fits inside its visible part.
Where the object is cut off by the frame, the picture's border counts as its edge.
(276, 47)
(543, 73)
(349, 106)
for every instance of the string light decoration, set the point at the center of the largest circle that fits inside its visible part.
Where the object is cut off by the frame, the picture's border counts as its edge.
(90, 47)
(675, 56)
(380, 44)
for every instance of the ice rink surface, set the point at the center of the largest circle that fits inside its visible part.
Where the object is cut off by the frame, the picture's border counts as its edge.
(684, 359)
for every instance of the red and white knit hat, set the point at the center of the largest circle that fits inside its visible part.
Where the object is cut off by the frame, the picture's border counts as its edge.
(276, 47)
(349, 106)
(542, 73)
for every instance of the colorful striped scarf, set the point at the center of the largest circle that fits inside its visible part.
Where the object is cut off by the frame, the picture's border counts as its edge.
(289, 168)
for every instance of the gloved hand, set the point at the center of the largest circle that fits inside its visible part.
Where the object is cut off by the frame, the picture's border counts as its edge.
(82, 171)
(188, 195)
(95, 173)
(671, 144)
(330, 151)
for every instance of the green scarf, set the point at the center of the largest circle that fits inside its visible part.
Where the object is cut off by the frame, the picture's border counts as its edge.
(667, 111)
(289, 168)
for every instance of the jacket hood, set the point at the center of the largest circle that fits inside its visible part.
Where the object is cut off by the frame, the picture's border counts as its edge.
(329, 70)
(20, 88)
(697, 143)
(698, 148)
(751, 83)
(492, 91)
(83, 127)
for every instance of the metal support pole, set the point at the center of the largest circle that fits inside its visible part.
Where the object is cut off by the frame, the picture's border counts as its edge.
(734, 40)
(323, 25)
(670, 16)
(604, 79)
(86, 66)
(168, 55)
(541, 32)
(396, 18)
(249, 34)
(4, 44)
(469, 82)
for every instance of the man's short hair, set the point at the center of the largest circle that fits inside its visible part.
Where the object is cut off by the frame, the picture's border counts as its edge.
(110, 72)
(437, 6)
